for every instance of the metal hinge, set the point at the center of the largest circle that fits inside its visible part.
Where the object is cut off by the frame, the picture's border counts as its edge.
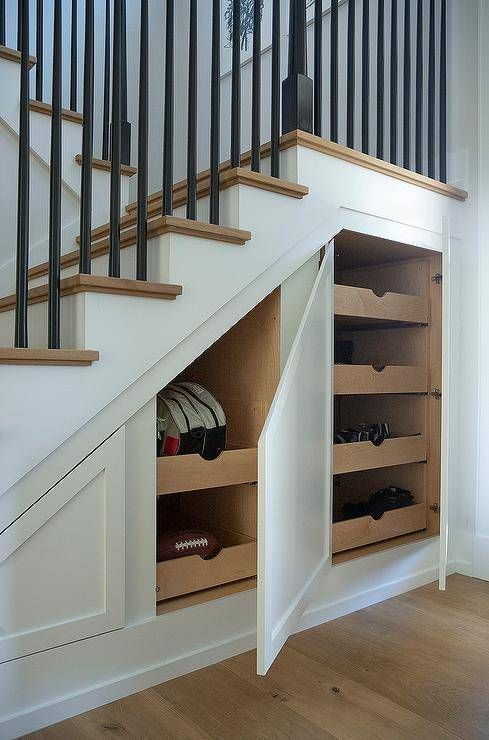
(435, 508)
(157, 589)
(437, 278)
(436, 393)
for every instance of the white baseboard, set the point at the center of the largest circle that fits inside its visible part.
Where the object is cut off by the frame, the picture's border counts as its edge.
(481, 557)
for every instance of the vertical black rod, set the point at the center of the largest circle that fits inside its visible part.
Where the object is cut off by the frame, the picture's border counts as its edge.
(106, 113)
(169, 104)
(125, 125)
(431, 92)
(380, 80)
(333, 125)
(406, 138)
(23, 184)
(142, 227)
(393, 103)
(419, 89)
(87, 144)
(443, 91)
(115, 153)
(192, 115)
(215, 112)
(350, 78)
(365, 74)
(256, 91)
(318, 66)
(236, 87)
(74, 56)
(275, 103)
(55, 186)
(39, 47)
(2, 22)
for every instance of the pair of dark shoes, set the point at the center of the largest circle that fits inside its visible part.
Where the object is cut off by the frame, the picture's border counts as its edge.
(386, 499)
(375, 433)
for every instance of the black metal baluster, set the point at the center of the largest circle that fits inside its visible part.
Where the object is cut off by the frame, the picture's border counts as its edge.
(431, 92)
(318, 66)
(236, 87)
(115, 152)
(350, 76)
(142, 225)
(256, 91)
(215, 112)
(443, 91)
(365, 74)
(85, 262)
(393, 103)
(419, 89)
(22, 265)
(54, 263)
(74, 55)
(106, 111)
(380, 79)
(192, 115)
(2, 22)
(297, 88)
(406, 139)
(39, 47)
(275, 103)
(125, 125)
(169, 105)
(333, 133)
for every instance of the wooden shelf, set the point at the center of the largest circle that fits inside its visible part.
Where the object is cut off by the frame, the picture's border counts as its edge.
(365, 530)
(365, 379)
(236, 561)
(362, 305)
(181, 473)
(348, 458)
(202, 597)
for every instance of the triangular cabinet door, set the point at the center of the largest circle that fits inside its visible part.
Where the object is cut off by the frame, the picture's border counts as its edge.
(62, 561)
(294, 481)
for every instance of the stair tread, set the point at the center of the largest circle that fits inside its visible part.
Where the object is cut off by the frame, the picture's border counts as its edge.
(98, 284)
(12, 55)
(28, 356)
(36, 106)
(156, 226)
(106, 165)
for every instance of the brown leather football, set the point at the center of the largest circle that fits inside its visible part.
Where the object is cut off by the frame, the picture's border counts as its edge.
(177, 543)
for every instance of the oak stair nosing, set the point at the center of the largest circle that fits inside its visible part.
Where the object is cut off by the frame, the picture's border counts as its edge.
(46, 109)
(12, 55)
(106, 165)
(98, 284)
(156, 227)
(60, 357)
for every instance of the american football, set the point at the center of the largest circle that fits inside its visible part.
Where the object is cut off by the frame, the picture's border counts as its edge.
(178, 543)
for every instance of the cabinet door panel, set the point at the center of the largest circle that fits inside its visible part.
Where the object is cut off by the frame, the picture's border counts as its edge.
(62, 562)
(294, 477)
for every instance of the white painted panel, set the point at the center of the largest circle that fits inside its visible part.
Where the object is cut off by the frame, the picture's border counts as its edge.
(62, 562)
(294, 482)
(445, 409)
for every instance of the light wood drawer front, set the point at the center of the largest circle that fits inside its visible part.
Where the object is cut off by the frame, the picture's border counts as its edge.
(191, 573)
(362, 303)
(365, 530)
(191, 472)
(360, 379)
(348, 458)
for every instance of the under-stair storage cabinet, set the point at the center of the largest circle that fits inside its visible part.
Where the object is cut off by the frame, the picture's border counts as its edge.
(337, 455)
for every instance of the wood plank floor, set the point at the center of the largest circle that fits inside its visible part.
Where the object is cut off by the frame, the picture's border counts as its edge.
(416, 666)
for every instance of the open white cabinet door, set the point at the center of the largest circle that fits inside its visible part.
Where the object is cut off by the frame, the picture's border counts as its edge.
(294, 481)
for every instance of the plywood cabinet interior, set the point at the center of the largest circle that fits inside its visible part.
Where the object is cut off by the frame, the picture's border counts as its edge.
(388, 322)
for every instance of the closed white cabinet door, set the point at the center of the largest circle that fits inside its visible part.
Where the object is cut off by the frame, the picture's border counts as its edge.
(294, 477)
(62, 562)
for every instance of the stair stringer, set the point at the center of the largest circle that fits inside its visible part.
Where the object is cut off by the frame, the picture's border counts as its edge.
(137, 364)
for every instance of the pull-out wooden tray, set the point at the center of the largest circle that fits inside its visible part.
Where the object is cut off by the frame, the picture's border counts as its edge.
(365, 530)
(348, 458)
(191, 472)
(186, 575)
(363, 306)
(364, 379)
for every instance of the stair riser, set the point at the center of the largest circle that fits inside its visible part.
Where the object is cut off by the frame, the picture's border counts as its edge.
(71, 318)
